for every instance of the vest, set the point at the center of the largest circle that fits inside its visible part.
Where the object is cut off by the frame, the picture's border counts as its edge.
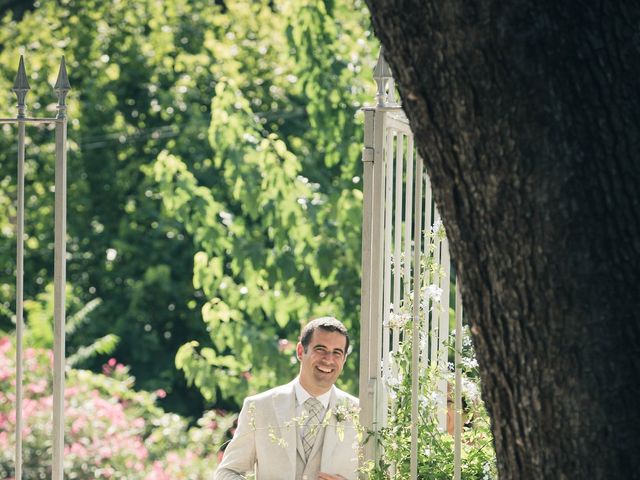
(308, 469)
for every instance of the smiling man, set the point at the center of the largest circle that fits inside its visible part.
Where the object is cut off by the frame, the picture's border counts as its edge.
(303, 430)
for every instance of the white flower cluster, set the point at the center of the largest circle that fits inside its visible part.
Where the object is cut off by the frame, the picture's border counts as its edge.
(434, 293)
(392, 377)
(396, 320)
(436, 227)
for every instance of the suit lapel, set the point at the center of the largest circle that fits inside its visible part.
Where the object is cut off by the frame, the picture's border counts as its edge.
(284, 405)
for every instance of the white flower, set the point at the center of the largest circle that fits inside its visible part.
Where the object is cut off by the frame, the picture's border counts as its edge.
(435, 228)
(470, 362)
(397, 320)
(433, 292)
(392, 381)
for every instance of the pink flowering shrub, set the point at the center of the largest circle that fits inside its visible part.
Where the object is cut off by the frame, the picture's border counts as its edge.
(111, 431)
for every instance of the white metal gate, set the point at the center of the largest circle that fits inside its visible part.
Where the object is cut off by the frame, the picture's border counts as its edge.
(62, 87)
(398, 216)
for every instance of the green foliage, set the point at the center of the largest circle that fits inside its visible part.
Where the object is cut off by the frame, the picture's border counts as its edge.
(141, 83)
(39, 325)
(277, 219)
(253, 228)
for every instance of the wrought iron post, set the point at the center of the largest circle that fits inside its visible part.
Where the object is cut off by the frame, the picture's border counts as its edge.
(20, 88)
(62, 87)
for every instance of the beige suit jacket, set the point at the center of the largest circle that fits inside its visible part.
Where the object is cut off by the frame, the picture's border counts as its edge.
(267, 440)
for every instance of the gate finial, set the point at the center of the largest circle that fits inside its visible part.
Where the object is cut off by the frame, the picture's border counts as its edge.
(21, 87)
(62, 87)
(382, 76)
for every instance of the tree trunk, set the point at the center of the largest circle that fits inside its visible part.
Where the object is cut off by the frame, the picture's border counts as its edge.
(527, 114)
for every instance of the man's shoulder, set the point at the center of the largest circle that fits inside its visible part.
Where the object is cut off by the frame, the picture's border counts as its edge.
(342, 395)
(285, 389)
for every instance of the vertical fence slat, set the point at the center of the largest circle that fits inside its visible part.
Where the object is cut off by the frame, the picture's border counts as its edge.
(428, 220)
(388, 248)
(435, 326)
(415, 335)
(408, 221)
(457, 405)
(365, 393)
(377, 274)
(397, 230)
(443, 331)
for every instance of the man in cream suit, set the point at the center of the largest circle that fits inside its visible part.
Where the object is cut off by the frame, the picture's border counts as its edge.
(303, 430)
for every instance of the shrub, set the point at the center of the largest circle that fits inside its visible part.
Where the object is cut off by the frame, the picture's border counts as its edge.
(111, 430)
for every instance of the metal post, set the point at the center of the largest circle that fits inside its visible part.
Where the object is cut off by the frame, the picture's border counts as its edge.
(62, 87)
(20, 87)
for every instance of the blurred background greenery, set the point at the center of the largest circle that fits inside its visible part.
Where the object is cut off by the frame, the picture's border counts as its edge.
(214, 198)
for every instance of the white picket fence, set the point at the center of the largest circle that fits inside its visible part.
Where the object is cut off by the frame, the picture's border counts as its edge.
(398, 216)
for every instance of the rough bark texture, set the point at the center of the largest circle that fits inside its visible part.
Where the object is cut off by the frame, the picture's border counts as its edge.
(528, 116)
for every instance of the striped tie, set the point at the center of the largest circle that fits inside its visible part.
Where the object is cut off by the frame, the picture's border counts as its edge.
(312, 425)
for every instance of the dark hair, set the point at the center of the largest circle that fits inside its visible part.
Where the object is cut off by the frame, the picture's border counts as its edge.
(330, 324)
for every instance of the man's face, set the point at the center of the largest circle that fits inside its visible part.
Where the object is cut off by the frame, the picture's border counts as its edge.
(322, 363)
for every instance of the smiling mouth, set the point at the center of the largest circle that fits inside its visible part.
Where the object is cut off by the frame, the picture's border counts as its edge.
(325, 370)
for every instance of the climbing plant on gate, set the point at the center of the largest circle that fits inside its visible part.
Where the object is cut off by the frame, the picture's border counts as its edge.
(435, 444)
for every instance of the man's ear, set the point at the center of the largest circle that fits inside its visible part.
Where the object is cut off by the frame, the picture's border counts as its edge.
(299, 350)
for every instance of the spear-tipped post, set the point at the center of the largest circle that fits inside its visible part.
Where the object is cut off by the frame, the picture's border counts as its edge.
(61, 88)
(20, 88)
(382, 76)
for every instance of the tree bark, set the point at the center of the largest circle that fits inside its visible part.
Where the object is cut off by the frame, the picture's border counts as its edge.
(527, 114)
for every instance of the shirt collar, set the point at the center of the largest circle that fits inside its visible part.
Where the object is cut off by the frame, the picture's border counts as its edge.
(302, 395)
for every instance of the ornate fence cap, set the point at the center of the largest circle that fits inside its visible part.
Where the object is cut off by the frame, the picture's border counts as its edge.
(21, 87)
(62, 87)
(382, 71)
(386, 95)
(382, 76)
(62, 83)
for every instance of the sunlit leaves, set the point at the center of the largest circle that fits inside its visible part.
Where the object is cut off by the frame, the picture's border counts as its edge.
(211, 176)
